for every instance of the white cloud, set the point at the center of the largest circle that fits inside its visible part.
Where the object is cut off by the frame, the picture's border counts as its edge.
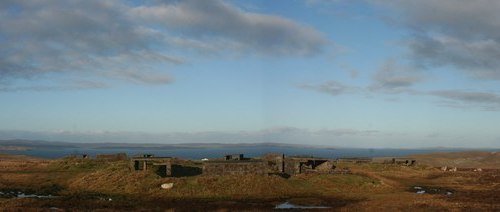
(467, 99)
(331, 87)
(116, 40)
(210, 21)
(395, 78)
(463, 34)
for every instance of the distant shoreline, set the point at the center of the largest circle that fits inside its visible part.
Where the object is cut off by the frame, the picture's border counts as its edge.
(52, 150)
(19, 144)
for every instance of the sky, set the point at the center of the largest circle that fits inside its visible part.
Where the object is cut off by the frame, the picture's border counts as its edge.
(345, 73)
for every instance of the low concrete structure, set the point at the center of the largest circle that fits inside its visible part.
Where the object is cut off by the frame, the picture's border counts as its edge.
(268, 164)
(275, 163)
(235, 157)
(234, 167)
(404, 161)
(111, 157)
(299, 165)
(238, 165)
(147, 161)
(393, 160)
(354, 160)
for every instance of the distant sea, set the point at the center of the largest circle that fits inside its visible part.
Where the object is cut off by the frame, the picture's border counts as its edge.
(199, 153)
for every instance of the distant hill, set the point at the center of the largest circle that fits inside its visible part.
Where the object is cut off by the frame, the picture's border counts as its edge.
(470, 159)
(38, 144)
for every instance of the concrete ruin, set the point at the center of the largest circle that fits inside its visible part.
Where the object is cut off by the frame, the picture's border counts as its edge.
(354, 160)
(300, 165)
(268, 164)
(404, 161)
(237, 164)
(111, 157)
(235, 167)
(460, 169)
(163, 165)
(234, 164)
(235, 157)
(275, 163)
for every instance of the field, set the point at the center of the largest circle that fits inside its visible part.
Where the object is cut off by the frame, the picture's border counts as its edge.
(77, 184)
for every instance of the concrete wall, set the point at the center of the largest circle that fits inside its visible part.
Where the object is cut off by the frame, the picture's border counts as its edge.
(112, 157)
(307, 165)
(325, 168)
(293, 165)
(274, 162)
(234, 168)
(162, 165)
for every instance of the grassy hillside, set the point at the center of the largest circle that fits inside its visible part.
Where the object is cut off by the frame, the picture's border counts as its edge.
(91, 184)
(461, 159)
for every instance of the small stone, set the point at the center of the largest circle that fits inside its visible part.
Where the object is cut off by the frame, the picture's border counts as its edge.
(167, 185)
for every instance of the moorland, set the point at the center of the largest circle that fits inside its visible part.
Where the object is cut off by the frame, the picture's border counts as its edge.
(28, 183)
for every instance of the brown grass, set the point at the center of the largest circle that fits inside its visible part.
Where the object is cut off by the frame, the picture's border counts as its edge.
(88, 184)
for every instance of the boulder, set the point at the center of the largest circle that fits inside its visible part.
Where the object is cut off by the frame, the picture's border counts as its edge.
(167, 185)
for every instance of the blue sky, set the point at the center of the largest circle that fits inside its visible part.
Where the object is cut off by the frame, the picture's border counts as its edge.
(366, 73)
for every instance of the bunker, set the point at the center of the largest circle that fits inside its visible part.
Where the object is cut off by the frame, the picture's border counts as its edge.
(354, 160)
(300, 165)
(147, 161)
(111, 157)
(235, 164)
(235, 167)
(404, 161)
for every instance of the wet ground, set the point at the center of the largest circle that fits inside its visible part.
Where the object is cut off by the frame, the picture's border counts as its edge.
(431, 190)
(14, 193)
(287, 205)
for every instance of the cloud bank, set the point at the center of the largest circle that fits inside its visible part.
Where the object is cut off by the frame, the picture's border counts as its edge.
(461, 34)
(116, 40)
(393, 79)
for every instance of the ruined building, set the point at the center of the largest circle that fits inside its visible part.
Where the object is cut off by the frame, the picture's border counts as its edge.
(268, 164)
(234, 165)
(354, 160)
(404, 161)
(163, 165)
(300, 165)
(111, 157)
(237, 165)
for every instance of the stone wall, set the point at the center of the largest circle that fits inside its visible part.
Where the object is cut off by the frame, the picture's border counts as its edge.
(111, 157)
(354, 160)
(293, 165)
(162, 165)
(274, 162)
(256, 167)
(297, 165)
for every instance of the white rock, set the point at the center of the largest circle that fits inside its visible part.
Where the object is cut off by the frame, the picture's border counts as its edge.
(167, 185)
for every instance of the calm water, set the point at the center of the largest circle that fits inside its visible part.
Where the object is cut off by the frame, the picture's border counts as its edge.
(248, 151)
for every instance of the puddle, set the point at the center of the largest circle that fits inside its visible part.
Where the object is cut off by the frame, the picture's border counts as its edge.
(287, 205)
(431, 190)
(20, 194)
(105, 198)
